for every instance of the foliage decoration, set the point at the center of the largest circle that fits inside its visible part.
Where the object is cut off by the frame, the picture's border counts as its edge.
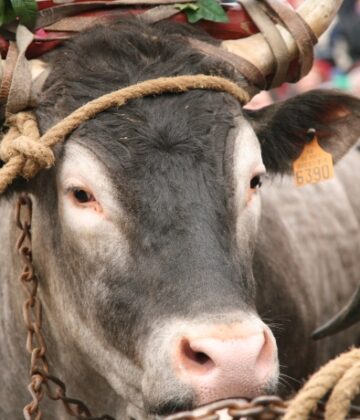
(203, 9)
(24, 11)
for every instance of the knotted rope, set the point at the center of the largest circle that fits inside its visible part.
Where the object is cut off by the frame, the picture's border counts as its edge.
(25, 152)
(342, 376)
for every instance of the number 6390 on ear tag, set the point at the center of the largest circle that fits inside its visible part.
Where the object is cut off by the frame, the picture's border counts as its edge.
(313, 165)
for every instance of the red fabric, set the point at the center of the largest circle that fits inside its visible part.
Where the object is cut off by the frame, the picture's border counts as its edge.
(238, 26)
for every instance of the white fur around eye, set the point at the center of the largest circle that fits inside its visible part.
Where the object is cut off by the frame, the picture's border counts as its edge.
(97, 235)
(247, 163)
(81, 169)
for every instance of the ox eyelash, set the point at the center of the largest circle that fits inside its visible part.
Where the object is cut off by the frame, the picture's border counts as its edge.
(72, 189)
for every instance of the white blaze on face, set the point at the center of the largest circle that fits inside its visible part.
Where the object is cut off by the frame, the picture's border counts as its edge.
(88, 206)
(95, 228)
(246, 167)
(81, 170)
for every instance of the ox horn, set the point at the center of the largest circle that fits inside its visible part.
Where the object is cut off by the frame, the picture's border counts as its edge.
(316, 15)
(347, 317)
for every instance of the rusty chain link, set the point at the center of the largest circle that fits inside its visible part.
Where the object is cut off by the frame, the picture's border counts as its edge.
(42, 382)
(261, 408)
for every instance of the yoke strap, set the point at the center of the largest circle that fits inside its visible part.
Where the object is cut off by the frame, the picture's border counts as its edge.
(15, 90)
(266, 19)
(251, 73)
(304, 37)
(273, 37)
(7, 75)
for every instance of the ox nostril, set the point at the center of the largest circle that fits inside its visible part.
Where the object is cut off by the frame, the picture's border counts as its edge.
(193, 360)
(227, 361)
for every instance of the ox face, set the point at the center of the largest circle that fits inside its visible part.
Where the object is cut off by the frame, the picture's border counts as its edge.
(157, 224)
(154, 208)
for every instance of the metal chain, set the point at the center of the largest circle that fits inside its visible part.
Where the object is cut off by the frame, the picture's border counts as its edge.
(261, 408)
(41, 381)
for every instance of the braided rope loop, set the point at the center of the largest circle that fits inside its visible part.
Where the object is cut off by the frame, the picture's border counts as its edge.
(343, 393)
(322, 382)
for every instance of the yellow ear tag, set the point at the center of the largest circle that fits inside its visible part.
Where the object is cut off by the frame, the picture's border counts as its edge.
(313, 165)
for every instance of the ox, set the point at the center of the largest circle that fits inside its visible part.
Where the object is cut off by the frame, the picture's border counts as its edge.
(163, 284)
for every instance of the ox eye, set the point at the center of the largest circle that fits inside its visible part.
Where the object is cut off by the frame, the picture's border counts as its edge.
(255, 182)
(83, 196)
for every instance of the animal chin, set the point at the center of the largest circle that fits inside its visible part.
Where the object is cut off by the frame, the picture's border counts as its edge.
(185, 401)
(177, 405)
(173, 406)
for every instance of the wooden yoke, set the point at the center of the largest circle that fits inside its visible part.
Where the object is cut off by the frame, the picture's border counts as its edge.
(281, 52)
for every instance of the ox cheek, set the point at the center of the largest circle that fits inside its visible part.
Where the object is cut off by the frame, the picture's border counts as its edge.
(247, 222)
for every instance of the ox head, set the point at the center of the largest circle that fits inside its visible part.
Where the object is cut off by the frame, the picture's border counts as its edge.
(144, 231)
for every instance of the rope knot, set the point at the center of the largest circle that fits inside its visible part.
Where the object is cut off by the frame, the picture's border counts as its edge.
(22, 150)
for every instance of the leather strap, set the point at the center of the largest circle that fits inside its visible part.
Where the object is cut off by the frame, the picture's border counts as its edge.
(20, 89)
(156, 14)
(272, 37)
(251, 73)
(47, 17)
(80, 23)
(7, 76)
(303, 35)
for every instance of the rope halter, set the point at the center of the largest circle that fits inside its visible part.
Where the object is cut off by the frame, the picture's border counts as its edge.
(25, 153)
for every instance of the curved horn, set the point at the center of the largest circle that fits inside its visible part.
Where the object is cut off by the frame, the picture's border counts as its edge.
(318, 14)
(347, 317)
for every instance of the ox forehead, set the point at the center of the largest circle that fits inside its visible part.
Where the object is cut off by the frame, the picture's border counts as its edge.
(151, 215)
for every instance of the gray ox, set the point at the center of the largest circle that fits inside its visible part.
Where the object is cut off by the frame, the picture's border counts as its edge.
(161, 280)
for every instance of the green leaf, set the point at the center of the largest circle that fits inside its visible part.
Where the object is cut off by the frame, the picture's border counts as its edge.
(7, 13)
(186, 6)
(2, 11)
(207, 10)
(25, 10)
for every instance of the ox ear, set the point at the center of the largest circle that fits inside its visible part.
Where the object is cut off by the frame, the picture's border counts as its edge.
(282, 127)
